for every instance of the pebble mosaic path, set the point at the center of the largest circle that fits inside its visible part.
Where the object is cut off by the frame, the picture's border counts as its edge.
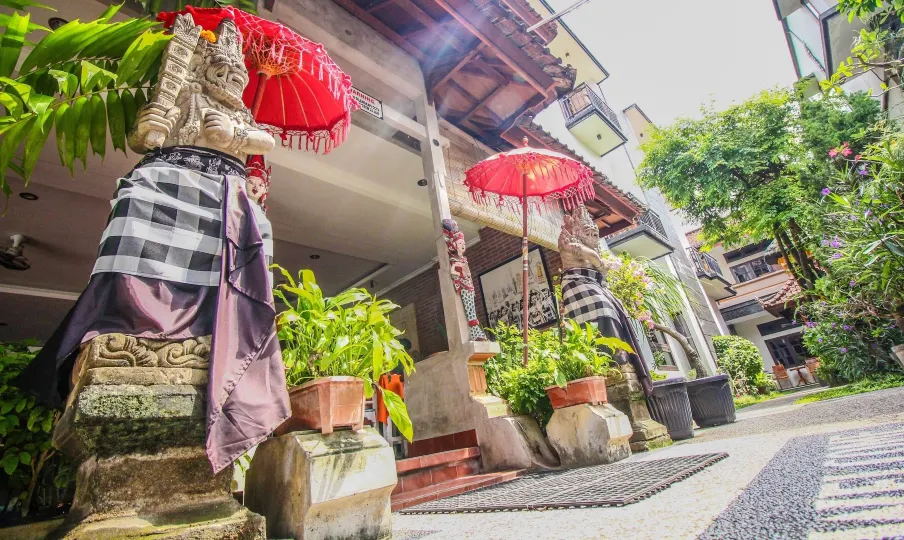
(825, 470)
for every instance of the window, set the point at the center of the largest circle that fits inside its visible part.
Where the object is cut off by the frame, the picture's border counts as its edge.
(750, 270)
(659, 343)
(787, 350)
(774, 327)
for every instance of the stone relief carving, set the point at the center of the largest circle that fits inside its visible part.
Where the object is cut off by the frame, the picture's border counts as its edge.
(461, 276)
(207, 109)
(120, 350)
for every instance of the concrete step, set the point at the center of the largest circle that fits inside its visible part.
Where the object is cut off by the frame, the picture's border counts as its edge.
(449, 488)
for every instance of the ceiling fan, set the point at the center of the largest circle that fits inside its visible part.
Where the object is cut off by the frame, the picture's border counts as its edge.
(12, 256)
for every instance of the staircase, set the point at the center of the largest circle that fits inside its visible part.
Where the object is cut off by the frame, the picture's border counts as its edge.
(442, 474)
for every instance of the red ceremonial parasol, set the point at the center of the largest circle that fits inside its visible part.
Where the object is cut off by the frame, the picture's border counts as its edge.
(294, 86)
(524, 176)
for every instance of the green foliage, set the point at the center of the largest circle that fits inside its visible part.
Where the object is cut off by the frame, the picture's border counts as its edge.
(741, 361)
(751, 172)
(870, 384)
(848, 348)
(553, 359)
(25, 433)
(345, 335)
(648, 292)
(863, 228)
(752, 399)
(878, 46)
(657, 376)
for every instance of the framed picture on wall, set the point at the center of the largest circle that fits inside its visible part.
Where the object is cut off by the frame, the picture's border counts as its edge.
(500, 288)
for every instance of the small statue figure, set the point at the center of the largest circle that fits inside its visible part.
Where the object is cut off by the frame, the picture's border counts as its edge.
(585, 292)
(257, 185)
(183, 258)
(461, 276)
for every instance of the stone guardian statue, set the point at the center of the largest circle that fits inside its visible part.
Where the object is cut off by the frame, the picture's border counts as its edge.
(179, 308)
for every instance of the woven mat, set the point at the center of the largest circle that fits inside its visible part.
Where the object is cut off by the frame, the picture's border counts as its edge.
(616, 484)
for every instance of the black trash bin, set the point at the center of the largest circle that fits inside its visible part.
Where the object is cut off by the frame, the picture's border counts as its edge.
(669, 405)
(712, 403)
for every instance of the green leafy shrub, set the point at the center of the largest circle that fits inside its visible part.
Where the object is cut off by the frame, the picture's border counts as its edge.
(28, 462)
(849, 350)
(553, 359)
(345, 335)
(741, 361)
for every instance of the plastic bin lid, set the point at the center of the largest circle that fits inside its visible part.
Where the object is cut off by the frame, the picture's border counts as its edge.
(713, 378)
(670, 382)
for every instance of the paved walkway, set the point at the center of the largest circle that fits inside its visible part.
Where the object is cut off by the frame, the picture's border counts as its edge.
(830, 469)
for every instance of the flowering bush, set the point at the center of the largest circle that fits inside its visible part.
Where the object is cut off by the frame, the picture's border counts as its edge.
(863, 223)
(741, 361)
(629, 282)
(848, 349)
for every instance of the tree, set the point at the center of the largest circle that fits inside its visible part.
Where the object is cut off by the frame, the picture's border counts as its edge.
(753, 171)
(653, 297)
(82, 80)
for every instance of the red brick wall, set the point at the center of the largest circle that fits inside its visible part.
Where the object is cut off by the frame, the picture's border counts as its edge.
(493, 249)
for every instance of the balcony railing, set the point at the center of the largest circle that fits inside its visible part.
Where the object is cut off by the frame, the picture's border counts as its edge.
(581, 101)
(704, 263)
(651, 220)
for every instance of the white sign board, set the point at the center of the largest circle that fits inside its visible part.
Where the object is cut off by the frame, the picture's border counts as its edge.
(369, 104)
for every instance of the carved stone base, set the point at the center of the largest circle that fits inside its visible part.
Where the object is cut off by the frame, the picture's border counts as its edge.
(585, 435)
(313, 486)
(627, 396)
(138, 432)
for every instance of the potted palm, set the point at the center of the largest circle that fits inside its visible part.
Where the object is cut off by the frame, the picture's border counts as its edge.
(581, 366)
(335, 349)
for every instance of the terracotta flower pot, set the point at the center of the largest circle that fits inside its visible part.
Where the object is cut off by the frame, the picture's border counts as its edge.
(590, 390)
(324, 404)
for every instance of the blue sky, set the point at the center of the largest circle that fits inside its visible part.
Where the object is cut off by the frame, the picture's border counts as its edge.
(671, 56)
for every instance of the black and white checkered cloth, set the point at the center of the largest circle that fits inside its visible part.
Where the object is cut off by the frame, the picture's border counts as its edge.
(167, 217)
(586, 296)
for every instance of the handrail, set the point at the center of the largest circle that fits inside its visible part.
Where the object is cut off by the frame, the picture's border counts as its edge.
(582, 99)
(704, 263)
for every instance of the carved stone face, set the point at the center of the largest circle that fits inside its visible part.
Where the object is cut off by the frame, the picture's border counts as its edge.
(227, 81)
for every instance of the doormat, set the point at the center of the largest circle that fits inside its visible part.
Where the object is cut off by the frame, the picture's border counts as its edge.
(616, 484)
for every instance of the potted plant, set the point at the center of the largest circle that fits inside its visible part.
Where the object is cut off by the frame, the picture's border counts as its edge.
(580, 367)
(335, 349)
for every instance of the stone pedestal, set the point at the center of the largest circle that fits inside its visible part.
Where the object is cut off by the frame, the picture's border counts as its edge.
(138, 434)
(627, 396)
(312, 486)
(589, 435)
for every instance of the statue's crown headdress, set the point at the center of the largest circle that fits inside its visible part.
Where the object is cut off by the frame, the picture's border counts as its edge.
(228, 43)
(255, 165)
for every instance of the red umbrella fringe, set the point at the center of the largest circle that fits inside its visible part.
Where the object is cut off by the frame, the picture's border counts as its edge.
(321, 141)
(567, 199)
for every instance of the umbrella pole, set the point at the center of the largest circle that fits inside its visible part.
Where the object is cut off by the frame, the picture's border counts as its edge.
(259, 93)
(525, 265)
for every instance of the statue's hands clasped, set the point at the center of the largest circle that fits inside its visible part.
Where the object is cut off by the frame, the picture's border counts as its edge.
(152, 127)
(222, 132)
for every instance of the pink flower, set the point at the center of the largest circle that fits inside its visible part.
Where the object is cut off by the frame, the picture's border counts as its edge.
(833, 152)
(858, 157)
(846, 152)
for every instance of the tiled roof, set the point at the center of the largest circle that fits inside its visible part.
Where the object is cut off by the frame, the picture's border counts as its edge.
(527, 123)
(789, 292)
(514, 28)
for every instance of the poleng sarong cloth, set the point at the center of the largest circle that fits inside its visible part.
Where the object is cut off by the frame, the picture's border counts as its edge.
(184, 254)
(587, 298)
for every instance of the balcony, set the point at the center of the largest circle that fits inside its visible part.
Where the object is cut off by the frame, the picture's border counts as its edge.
(710, 274)
(591, 121)
(646, 238)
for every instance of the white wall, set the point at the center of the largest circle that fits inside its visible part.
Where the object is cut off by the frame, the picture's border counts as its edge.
(748, 329)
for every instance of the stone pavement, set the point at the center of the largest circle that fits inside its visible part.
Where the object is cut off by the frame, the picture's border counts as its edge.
(825, 470)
